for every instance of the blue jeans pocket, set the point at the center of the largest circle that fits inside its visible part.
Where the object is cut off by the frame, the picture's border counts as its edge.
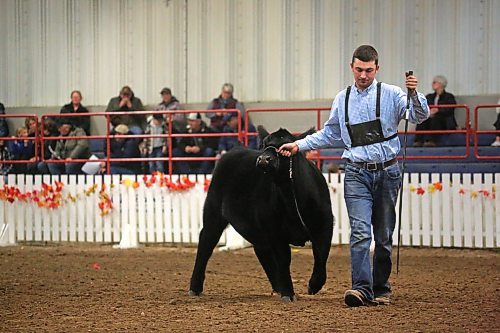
(393, 171)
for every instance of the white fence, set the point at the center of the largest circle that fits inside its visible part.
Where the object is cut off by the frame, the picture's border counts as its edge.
(448, 210)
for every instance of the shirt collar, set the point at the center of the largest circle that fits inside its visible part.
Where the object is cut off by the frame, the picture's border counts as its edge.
(367, 90)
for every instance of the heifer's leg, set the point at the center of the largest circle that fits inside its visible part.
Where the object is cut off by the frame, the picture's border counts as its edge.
(321, 248)
(268, 262)
(283, 256)
(209, 237)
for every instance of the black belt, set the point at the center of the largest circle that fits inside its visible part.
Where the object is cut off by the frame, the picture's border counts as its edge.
(374, 166)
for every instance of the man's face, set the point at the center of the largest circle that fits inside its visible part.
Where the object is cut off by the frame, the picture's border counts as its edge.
(364, 72)
(233, 122)
(65, 129)
(125, 94)
(76, 98)
(166, 97)
(225, 94)
(195, 124)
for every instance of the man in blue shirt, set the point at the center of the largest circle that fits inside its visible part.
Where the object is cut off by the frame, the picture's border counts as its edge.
(365, 117)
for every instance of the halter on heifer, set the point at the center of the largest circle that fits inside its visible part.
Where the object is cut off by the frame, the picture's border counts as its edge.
(290, 172)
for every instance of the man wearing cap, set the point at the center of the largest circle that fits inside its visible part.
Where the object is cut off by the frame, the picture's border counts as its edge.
(127, 102)
(170, 103)
(67, 149)
(195, 147)
(226, 143)
(224, 101)
(441, 118)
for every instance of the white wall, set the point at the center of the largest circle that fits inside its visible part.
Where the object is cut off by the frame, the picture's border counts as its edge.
(272, 50)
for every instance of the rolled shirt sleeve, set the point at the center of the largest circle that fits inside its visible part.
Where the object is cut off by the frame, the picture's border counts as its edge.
(326, 136)
(419, 110)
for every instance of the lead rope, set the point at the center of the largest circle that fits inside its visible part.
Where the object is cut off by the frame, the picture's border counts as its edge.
(295, 199)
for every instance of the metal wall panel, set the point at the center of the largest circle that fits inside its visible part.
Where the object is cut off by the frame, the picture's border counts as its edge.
(271, 50)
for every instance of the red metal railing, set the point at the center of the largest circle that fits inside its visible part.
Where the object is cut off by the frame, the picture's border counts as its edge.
(478, 132)
(242, 134)
(318, 158)
(466, 132)
(170, 159)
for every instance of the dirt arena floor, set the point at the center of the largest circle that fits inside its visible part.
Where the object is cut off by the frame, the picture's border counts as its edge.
(67, 288)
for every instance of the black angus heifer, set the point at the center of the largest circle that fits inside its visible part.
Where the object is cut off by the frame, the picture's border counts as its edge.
(272, 201)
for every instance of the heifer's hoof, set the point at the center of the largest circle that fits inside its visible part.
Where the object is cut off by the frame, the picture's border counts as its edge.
(313, 290)
(288, 299)
(194, 293)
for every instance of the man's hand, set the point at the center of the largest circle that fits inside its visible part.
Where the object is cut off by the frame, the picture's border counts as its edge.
(434, 111)
(289, 149)
(125, 101)
(195, 149)
(411, 84)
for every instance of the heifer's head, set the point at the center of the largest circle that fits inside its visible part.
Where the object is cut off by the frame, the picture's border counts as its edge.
(269, 160)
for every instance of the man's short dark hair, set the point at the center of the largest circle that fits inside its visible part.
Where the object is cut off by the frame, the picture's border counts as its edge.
(365, 53)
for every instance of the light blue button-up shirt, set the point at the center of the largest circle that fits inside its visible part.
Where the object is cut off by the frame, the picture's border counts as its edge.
(362, 109)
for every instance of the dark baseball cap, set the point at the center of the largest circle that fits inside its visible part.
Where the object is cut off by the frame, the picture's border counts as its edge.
(166, 91)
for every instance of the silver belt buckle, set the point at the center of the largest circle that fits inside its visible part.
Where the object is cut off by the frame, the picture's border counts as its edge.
(371, 166)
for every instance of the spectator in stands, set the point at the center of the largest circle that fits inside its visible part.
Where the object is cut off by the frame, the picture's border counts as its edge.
(496, 143)
(441, 118)
(170, 103)
(4, 128)
(49, 130)
(32, 126)
(156, 147)
(127, 102)
(75, 106)
(124, 148)
(5, 155)
(224, 101)
(196, 147)
(226, 143)
(21, 149)
(67, 149)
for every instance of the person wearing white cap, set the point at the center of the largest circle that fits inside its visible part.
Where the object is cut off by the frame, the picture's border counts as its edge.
(124, 147)
(195, 147)
(441, 118)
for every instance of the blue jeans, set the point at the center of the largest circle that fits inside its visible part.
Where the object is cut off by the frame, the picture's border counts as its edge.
(370, 198)
(119, 170)
(157, 165)
(60, 168)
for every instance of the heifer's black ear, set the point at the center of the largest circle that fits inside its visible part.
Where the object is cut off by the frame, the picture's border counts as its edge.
(312, 130)
(262, 132)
